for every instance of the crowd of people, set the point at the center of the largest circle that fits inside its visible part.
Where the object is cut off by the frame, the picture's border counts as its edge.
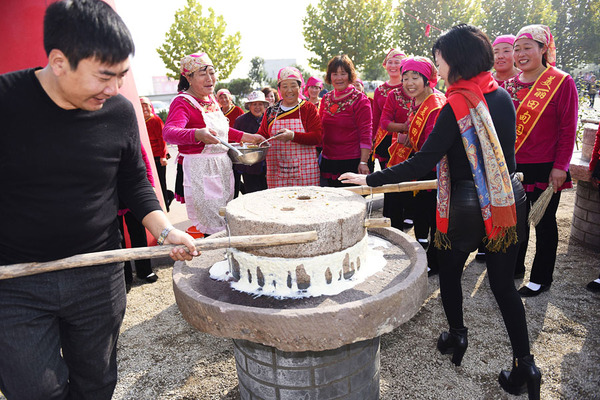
(474, 138)
(482, 136)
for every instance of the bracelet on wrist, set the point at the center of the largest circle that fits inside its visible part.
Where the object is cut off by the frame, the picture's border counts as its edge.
(163, 235)
(363, 163)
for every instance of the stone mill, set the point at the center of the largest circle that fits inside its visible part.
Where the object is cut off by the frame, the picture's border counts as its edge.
(305, 319)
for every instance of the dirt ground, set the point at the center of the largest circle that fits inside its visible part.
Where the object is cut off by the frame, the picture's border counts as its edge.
(161, 357)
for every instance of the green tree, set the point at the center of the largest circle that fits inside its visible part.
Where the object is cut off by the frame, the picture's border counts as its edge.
(240, 87)
(362, 29)
(502, 17)
(374, 71)
(192, 32)
(441, 15)
(576, 32)
(257, 73)
(305, 74)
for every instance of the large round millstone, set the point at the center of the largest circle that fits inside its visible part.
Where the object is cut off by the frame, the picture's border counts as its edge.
(337, 215)
(376, 306)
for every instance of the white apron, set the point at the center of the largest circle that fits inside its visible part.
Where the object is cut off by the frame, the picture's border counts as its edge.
(289, 163)
(208, 176)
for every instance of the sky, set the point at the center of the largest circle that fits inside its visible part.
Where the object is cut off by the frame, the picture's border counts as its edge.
(271, 29)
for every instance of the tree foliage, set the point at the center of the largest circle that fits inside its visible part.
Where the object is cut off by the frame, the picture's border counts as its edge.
(362, 29)
(192, 32)
(575, 24)
(502, 17)
(238, 87)
(576, 32)
(257, 73)
(439, 14)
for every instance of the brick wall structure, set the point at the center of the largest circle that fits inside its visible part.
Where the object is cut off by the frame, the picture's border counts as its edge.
(350, 372)
(586, 215)
(585, 226)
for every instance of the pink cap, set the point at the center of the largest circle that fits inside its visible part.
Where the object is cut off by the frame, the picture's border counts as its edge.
(422, 65)
(509, 39)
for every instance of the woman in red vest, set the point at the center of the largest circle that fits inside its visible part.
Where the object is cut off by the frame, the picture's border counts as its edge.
(419, 77)
(230, 110)
(389, 118)
(295, 125)
(546, 102)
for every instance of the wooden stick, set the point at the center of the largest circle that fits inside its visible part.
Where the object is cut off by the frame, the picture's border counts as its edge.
(378, 223)
(139, 253)
(403, 187)
(394, 187)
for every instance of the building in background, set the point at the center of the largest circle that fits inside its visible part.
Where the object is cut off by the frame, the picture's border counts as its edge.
(164, 85)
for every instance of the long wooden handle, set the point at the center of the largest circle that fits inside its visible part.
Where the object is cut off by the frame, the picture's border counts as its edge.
(394, 187)
(403, 187)
(139, 253)
(378, 223)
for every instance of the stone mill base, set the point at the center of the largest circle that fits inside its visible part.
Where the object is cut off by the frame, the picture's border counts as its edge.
(350, 372)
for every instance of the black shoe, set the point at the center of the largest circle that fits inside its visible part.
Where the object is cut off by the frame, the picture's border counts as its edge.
(593, 286)
(454, 342)
(526, 292)
(480, 256)
(525, 376)
(127, 287)
(151, 278)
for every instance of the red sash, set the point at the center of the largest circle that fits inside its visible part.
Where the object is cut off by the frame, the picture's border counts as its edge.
(399, 152)
(401, 98)
(536, 101)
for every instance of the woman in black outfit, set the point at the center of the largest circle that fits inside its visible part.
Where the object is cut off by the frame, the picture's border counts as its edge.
(464, 56)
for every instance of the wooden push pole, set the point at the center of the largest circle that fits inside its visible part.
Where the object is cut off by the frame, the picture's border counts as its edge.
(139, 253)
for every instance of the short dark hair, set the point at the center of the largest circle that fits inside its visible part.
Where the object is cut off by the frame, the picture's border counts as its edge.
(86, 28)
(341, 61)
(466, 50)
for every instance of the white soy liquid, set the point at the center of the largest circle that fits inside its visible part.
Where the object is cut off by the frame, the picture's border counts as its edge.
(374, 263)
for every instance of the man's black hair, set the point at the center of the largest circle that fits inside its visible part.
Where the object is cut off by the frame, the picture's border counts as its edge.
(87, 28)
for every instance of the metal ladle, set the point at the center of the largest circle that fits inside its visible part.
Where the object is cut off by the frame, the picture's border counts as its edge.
(272, 137)
(229, 146)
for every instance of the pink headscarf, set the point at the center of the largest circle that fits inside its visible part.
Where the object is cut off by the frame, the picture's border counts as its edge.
(224, 91)
(312, 81)
(290, 73)
(509, 39)
(541, 34)
(422, 65)
(193, 62)
(393, 53)
(145, 100)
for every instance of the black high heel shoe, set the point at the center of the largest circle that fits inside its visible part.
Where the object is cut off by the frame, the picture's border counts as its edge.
(454, 342)
(525, 376)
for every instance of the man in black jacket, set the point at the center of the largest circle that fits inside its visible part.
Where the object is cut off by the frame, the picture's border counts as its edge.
(74, 151)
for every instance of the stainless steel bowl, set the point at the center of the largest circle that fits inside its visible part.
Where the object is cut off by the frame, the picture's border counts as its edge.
(249, 155)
